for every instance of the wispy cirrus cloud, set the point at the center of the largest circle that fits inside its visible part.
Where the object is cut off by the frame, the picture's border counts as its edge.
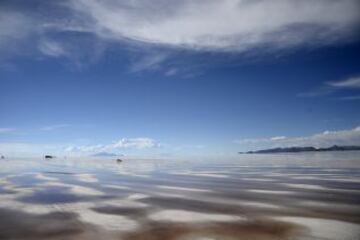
(350, 98)
(352, 83)
(7, 130)
(52, 48)
(324, 139)
(55, 127)
(14, 26)
(16, 29)
(149, 62)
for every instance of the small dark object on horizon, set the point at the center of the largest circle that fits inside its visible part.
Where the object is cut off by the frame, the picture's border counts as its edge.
(2, 157)
(118, 160)
(49, 157)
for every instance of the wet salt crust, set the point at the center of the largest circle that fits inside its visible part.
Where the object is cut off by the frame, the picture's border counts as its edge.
(177, 201)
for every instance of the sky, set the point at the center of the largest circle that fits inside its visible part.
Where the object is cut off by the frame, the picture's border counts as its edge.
(177, 78)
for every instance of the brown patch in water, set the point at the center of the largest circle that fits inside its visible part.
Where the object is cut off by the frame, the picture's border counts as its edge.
(256, 230)
(193, 205)
(222, 208)
(19, 225)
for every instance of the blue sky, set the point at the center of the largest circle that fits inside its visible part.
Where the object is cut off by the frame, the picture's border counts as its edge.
(176, 78)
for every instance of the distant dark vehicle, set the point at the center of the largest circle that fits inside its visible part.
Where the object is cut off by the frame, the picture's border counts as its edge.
(49, 157)
(2, 157)
(119, 160)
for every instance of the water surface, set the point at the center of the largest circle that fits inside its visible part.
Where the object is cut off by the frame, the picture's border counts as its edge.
(284, 196)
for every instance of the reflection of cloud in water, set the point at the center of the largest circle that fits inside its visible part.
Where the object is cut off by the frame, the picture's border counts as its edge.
(119, 187)
(123, 203)
(183, 189)
(258, 179)
(9, 202)
(271, 191)
(85, 191)
(86, 177)
(306, 178)
(326, 229)
(107, 221)
(346, 180)
(188, 216)
(201, 174)
(137, 196)
(329, 205)
(258, 204)
(305, 186)
(42, 176)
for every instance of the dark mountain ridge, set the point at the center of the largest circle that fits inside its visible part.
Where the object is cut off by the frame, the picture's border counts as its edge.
(305, 149)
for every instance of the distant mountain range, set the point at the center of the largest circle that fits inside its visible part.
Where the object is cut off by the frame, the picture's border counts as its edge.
(304, 149)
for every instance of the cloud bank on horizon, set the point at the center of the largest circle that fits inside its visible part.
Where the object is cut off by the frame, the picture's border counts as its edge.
(324, 139)
(121, 146)
(143, 144)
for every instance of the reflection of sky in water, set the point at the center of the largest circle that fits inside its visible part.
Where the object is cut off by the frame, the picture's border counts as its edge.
(51, 196)
(231, 195)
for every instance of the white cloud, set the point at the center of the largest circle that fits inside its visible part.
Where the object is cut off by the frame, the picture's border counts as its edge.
(13, 27)
(149, 62)
(122, 144)
(278, 138)
(332, 87)
(350, 98)
(353, 83)
(7, 130)
(81, 30)
(39, 34)
(138, 143)
(54, 127)
(171, 72)
(220, 25)
(52, 48)
(324, 139)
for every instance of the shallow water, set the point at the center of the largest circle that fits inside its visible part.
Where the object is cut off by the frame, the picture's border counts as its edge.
(293, 196)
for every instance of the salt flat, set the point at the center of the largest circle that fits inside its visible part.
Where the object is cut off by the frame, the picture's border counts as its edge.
(101, 199)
